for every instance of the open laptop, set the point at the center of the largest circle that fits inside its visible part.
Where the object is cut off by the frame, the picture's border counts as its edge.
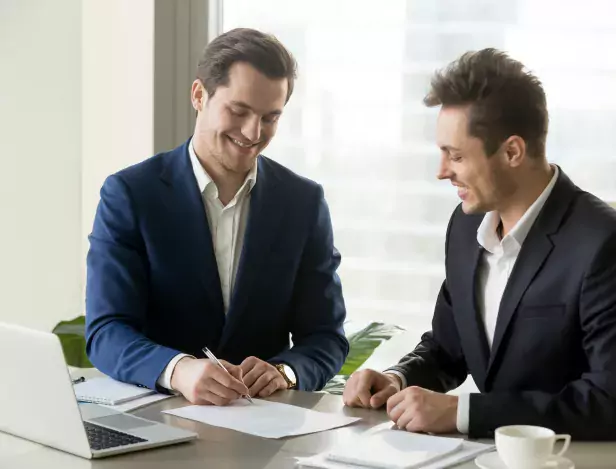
(37, 402)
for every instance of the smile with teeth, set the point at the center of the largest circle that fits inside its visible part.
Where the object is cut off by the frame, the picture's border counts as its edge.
(240, 144)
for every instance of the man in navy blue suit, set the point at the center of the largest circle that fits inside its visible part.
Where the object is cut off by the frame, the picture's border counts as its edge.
(528, 305)
(214, 245)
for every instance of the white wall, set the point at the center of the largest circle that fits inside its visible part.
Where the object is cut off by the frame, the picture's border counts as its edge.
(77, 103)
(40, 161)
(118, 94)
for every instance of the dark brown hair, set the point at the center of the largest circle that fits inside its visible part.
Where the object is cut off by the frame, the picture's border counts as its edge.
(263, 51)
(504, 98)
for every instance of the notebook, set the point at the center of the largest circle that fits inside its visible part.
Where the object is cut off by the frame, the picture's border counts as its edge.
(105, 390)
(394, 449)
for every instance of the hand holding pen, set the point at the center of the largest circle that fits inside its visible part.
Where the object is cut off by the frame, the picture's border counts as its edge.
(208, 382)
(211, 356)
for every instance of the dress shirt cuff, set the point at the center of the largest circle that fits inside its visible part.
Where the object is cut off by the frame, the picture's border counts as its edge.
(164, 379)
(462, 420)
(399, 375)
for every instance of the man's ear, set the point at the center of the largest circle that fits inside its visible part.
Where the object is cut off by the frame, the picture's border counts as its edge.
(515, 150)
(198, 95)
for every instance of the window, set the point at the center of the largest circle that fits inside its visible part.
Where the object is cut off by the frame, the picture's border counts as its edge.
(356, 123)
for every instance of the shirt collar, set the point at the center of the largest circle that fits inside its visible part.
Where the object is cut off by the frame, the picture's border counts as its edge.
(486, 233)
(204, 180)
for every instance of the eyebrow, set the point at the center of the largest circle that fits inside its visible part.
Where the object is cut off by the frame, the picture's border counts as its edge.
(242, 104)
(449, 148)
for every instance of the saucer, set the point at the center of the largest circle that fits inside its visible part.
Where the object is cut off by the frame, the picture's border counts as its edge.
(492, 461)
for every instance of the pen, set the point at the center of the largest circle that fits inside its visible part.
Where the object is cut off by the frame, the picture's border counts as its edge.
(211, 356)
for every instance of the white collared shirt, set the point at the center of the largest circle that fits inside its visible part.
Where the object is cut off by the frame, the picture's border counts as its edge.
(495, 267)
(227, 227)
(227, 223)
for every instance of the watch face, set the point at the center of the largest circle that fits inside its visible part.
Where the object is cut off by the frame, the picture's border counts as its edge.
(290, 374)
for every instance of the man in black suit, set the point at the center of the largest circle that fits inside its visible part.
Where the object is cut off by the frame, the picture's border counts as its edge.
(528, 306)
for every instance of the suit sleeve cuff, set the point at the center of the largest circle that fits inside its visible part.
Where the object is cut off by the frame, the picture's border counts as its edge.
(164, 379)
(399, 375)
(462, 420)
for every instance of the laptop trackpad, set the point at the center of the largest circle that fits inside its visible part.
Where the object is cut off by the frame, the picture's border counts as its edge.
(122, 422)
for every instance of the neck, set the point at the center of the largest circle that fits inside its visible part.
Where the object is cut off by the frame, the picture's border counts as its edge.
(227, 182)
(526, 193)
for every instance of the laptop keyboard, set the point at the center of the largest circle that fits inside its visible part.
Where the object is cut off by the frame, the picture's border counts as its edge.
(104, 438)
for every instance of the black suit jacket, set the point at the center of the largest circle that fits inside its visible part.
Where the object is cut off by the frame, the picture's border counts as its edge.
(553, 358)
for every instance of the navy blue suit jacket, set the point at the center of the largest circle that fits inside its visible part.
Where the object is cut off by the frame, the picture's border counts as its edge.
(553, 358)
(153, 288)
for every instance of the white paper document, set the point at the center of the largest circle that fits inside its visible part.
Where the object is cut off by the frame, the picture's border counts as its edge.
(264, 418)
(138, 403)
(467, 451)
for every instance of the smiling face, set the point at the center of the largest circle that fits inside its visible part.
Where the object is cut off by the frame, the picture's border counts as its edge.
(239, 120)
(484, 182)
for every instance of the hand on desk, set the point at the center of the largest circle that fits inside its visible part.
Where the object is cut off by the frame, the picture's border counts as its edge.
(262, 378)
(414, 409)
(419, 410)
(202, 382)
(370, 389)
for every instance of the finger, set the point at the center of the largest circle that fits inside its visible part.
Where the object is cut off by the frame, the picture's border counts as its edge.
(217, 388)
(235, 371)
(381, 397)
(261, 382)
(273, 386)
(405, 419)
(228, 381)
(394, 400)
(253, 375)
(355, 391)
(397, 412)
(210, 398)
(249, 363)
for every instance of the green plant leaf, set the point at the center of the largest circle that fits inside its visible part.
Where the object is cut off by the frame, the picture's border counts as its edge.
(363, 343)
(336, 384)
(72, 335)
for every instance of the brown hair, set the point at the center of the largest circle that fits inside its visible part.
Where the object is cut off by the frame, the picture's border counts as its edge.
(505, 99)
(263, 51)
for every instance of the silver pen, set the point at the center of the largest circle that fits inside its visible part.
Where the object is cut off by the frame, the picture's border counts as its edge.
(212, 357)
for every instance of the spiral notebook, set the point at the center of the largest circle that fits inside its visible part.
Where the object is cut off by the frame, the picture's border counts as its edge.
(108, 391)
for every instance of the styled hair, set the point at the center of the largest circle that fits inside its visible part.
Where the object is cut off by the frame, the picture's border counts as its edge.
(263, 51)
(504, 99)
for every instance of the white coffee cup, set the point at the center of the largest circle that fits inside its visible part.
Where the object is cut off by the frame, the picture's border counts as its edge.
(526, 446)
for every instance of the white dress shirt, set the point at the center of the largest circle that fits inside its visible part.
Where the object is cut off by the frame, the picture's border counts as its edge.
(227, 227)
(495, 267)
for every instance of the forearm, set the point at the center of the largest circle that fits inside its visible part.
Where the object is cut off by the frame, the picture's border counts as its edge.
(430, 367)
(120, 351)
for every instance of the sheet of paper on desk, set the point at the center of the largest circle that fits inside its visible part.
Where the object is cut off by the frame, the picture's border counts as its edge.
(264, 418)
(469, 451)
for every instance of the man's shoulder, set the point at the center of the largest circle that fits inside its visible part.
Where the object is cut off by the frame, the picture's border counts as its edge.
(592, 216)
(147, 169)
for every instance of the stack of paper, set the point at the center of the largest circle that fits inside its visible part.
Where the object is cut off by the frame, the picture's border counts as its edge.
(397, 449)
(105, 390)
(264, 418)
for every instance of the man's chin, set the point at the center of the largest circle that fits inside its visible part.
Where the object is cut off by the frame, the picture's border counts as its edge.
(470, 208)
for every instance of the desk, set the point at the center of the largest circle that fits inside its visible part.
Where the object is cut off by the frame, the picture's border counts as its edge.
(227, 449)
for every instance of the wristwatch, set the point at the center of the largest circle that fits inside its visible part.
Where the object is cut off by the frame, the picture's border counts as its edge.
(288, 375)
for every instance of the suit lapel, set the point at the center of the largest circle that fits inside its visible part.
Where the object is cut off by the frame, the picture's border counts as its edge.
(533, 255)
(190, 221)
(266, 210)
